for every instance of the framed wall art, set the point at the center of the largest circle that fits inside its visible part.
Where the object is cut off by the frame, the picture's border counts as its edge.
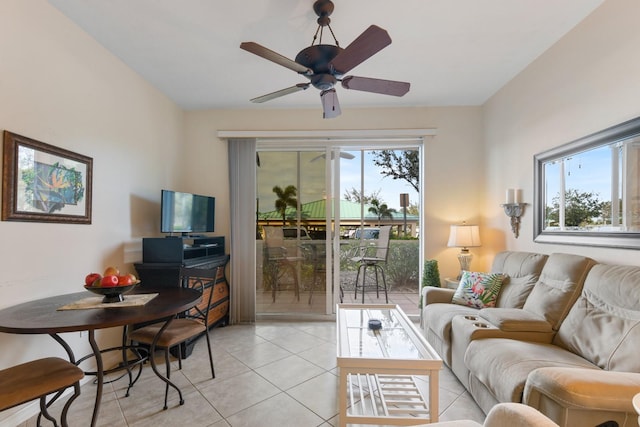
(44, 183)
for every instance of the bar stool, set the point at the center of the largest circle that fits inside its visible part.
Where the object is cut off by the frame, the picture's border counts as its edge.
(373, 256)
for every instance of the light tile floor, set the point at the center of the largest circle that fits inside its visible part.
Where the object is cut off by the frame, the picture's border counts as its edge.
(270, 374)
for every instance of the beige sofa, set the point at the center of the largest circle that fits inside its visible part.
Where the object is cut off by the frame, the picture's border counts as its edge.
(522, 269)
(571, 351)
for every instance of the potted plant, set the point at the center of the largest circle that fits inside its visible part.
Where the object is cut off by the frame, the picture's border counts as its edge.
(430, 276)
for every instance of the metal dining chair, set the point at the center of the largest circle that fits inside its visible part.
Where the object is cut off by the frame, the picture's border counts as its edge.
(36, 380)
(184, 327)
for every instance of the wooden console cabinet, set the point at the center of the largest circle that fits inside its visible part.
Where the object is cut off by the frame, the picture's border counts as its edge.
(162, 258)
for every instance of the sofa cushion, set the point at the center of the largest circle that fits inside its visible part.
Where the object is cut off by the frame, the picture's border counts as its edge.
(515, 290)
(503, 365)
(559, 286)
(521, 271)
(609, 309)
(478, 290)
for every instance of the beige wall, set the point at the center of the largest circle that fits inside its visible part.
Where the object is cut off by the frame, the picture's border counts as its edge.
(451, 159)
(587, 82)
(57, 85)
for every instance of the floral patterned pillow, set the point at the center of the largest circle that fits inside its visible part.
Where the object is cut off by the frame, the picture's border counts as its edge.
(478, 290)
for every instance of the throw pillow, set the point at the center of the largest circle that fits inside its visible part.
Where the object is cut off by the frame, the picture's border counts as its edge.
(478, 290)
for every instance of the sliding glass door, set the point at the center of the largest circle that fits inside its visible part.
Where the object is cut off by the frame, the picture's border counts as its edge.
(315, 207)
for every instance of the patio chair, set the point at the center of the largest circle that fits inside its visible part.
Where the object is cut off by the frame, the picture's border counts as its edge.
(372, 254)
(36, 380)
(315, 255)
(278, 261)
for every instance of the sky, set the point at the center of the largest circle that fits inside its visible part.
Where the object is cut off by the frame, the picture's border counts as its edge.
(588, 171)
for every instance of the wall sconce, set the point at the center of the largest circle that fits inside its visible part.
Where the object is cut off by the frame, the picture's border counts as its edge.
(514, 208)
(464, 236)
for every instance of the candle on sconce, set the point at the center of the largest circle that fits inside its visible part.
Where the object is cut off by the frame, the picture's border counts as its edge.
(517, 195)
(510, 196)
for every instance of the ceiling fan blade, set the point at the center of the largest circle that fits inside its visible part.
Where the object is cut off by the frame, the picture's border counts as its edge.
(330, 104)
(343, 155)
(281, 92)
(385, 87)
(272, 56)
(367, 44)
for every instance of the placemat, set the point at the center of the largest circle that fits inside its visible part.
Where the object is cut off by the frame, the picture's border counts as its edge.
(96, 302)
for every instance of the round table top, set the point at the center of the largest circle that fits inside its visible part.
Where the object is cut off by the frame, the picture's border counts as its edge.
(43, 317)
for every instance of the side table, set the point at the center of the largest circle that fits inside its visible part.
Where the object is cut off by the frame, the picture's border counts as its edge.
(451, 283)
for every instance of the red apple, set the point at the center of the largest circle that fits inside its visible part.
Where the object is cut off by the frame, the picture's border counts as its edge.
(91, 277)
(124, 280)
(109, 281)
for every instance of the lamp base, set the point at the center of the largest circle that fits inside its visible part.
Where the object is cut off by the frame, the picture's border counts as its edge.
(464, 257)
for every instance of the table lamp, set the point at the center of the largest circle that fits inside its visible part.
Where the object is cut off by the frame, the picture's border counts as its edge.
(464, 236)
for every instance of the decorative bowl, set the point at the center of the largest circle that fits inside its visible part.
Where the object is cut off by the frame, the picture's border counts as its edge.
(112, 293)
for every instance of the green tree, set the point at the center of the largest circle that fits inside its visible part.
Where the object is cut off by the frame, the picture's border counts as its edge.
(413, 209)
(400, 164)
(381, 210)
(581, 208)
(354, 195)
(286, 198)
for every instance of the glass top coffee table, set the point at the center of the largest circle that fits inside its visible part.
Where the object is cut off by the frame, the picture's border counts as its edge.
(378, 367)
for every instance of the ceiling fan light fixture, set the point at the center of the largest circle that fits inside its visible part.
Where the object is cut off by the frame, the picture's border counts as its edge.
(330, 104)
(324, 64)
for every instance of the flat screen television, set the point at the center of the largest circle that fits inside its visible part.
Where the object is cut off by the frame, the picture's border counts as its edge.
(186, 213)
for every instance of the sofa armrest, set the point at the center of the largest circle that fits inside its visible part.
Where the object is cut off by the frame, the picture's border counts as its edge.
(431, 295)
(580, 388)
(515, 320)
(516, 414)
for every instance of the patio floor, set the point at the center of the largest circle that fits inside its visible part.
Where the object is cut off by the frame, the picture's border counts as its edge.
(287, 302)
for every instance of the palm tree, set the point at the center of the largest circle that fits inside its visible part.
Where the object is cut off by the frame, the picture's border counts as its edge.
(286, 198)
(381, 210)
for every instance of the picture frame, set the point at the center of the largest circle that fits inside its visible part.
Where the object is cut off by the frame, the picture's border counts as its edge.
(44, 183)
(611, 155)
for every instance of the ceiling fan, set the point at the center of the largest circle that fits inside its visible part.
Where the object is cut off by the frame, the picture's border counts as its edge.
(325, 65)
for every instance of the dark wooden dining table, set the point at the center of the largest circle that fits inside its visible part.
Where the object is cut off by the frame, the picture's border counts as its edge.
(44, 317)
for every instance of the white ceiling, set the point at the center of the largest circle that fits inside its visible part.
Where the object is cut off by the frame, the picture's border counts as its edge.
(453, 52)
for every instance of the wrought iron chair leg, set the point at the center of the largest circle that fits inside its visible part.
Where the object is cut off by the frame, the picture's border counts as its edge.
(213, 372)
(355, 295)
(45, 413)
(63, 416)
(168, 370)
(384, 283)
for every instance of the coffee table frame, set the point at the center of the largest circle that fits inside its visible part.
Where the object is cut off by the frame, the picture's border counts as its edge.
(367, 362)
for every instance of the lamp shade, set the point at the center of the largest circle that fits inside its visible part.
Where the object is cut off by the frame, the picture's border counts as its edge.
(464, 236)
